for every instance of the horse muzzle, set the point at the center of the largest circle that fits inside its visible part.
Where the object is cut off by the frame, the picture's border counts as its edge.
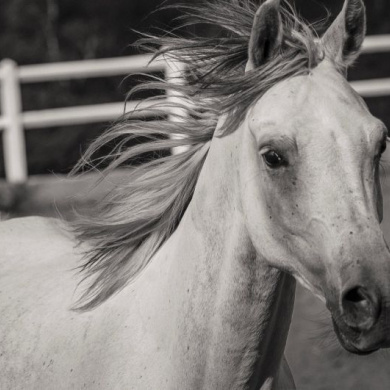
(360, 320)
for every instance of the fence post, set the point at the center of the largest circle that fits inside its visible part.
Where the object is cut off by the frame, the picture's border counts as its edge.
(174, 73)
(14, 145)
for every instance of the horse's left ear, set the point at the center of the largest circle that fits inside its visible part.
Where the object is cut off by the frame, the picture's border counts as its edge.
(266, 34)
(344, 38)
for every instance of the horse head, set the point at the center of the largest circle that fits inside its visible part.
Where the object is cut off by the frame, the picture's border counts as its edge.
(311, 193)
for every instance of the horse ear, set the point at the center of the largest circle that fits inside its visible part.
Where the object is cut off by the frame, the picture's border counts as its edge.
(266, 35)
(344, 38)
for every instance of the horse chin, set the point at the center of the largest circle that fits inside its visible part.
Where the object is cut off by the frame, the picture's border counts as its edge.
(355, 342)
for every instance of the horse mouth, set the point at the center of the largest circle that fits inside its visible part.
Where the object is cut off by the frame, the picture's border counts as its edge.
(358, 343)
(361, 353)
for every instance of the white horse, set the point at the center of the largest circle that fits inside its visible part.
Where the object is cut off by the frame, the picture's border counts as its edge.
(280, 182)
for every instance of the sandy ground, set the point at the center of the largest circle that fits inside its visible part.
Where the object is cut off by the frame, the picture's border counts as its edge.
(314, 354)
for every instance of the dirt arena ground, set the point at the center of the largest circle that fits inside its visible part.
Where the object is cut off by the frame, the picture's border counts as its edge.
(313, 352)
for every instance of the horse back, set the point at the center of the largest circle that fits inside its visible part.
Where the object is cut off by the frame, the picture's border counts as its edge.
(44, 344)
(24, 237)
(37, 285)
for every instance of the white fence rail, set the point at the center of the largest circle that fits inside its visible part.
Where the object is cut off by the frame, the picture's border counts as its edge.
(14, 121)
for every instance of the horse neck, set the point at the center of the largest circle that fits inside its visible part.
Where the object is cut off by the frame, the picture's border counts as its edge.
(235, 310)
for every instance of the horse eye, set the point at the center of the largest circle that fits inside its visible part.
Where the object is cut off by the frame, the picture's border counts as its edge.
(273, 159)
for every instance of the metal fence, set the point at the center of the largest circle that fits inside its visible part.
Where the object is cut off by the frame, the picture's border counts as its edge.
(14, 121)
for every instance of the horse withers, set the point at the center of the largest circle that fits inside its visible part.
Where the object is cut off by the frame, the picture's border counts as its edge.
(184, 277)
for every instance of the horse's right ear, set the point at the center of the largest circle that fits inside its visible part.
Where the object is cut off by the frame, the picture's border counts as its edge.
(344, 38)
(266, 35)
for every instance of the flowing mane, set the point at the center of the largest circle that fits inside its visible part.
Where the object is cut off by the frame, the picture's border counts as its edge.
(133, 221)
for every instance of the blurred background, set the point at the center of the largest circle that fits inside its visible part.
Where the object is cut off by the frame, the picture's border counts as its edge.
(53, 31)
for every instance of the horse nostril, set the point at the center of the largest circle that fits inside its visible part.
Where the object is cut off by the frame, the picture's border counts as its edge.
(355, 295)
(360, 308)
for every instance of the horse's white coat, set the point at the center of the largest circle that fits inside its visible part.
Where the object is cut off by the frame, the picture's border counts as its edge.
(213, 308)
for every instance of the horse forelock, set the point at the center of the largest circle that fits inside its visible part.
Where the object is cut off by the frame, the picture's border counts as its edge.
(132, 222)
